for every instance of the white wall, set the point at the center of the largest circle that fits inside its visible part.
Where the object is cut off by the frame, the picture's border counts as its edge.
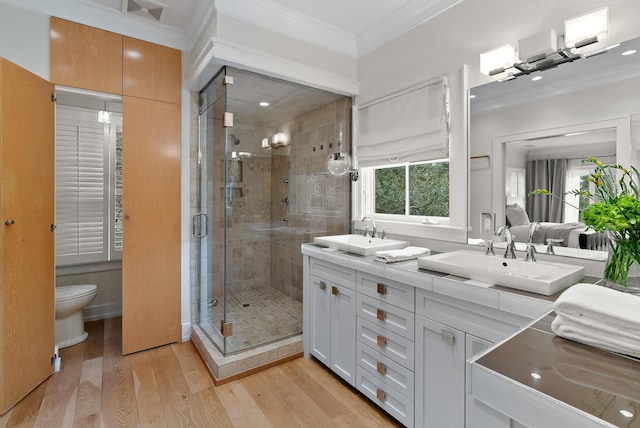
(24, 39)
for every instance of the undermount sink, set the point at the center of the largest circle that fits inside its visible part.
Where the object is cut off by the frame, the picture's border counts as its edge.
(359, 244)
(542, 277)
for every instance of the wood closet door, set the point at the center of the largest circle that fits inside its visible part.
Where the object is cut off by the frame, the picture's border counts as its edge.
(26, 242)
(151, 240)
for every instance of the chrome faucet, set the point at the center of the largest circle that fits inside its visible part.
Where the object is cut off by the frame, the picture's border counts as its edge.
(510, 253)
(373, 226)
(531, 249)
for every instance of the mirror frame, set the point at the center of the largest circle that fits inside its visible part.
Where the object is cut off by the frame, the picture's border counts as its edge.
(623, 153)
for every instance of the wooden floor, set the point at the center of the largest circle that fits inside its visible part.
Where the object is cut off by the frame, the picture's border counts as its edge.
(170, 387)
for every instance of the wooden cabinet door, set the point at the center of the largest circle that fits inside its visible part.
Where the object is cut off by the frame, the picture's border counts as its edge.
(320, 319)
(440, 367)
(151, 231)
(343, 332)
(26, 242)
(85, 57)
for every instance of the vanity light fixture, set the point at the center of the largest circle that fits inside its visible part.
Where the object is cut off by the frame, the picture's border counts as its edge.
(279, 140)
(545, 50)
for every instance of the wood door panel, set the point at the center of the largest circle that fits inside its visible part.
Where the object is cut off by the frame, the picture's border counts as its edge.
(26, 257)
(151, 243)
(151, 71)
(85, 57)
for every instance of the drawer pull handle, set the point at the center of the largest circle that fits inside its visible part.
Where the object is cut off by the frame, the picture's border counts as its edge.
(448, 337)
(380, 314)
(380, 394)
(381, 341)
(381, 368)
(323, 285)
(382, 289)
(334, 290)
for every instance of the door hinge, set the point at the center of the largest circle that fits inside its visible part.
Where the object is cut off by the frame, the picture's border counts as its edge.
(226, 328)
(53, 227)
(53, 98)
(227, 120)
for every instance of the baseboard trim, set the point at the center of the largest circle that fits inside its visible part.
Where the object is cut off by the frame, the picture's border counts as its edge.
(101, 312)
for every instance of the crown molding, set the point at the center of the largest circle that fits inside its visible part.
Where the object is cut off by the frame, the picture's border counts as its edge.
(273, 16)
(400, 22)
(218, 53)
(109, 19)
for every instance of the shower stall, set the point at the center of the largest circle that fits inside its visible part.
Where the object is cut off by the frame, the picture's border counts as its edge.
(261, 190)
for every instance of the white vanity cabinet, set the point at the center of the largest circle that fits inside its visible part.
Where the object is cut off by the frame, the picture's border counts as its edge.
(385, 349)
(402, 337)
(332, 318)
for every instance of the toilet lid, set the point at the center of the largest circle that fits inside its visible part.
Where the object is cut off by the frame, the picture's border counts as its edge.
(67, 292)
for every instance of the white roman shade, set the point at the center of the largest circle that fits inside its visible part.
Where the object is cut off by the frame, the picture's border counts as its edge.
(408, 126)
(82, 191)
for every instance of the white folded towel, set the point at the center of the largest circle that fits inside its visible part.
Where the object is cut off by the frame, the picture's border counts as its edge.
(597, 305)
(569, 329)
(404, 254)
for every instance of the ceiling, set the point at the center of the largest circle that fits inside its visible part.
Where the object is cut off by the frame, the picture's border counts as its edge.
(359, 25)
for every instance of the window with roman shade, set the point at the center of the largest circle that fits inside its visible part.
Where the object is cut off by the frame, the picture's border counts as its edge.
(409, 126)
(85, 166)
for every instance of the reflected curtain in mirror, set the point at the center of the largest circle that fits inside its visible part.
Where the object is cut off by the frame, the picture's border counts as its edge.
(546, 174)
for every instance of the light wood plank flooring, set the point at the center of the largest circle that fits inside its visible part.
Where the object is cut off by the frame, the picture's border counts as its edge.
(170, 387)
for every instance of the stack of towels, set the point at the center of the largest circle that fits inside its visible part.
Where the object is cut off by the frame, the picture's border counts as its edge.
(408, 253)
(600, 317)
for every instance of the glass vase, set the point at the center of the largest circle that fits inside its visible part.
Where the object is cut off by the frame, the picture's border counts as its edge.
(623, 258)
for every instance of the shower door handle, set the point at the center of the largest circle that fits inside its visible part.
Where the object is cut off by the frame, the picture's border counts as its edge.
(196, 225)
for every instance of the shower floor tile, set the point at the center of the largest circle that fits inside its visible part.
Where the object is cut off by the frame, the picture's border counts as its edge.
(259, 316)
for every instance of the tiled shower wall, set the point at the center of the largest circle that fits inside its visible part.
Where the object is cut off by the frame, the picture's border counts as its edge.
(264, 234)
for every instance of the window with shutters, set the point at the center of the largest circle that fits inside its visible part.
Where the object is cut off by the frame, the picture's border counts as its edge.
(88, 186)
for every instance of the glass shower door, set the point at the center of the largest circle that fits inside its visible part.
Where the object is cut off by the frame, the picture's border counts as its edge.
(210, 219)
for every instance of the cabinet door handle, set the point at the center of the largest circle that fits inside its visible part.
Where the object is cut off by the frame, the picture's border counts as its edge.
(448, 337)
(382, 289)
(380, 314)
(381, 368)
(381, 341)
(323, 285)
(334, 290)
(9, 222)
(380, 394)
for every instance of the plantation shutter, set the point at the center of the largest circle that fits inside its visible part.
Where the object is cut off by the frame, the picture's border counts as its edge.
(408, 126)
(82, 198)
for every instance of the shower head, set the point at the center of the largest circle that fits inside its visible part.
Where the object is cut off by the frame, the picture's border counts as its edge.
(234, 140)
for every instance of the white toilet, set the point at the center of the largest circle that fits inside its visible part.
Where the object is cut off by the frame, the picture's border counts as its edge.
(70, 300)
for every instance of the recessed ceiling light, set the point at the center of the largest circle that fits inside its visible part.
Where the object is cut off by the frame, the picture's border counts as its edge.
(264, 104)
(536, 376)
(472, 96)
(536, 78)
(629, 52)
(626, 413)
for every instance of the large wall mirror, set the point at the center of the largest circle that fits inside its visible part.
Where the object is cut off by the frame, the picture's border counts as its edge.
(586, 108)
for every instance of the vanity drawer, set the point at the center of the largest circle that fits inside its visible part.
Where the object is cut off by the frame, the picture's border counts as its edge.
(391, 317)
(332, 272)
(388, 291)
(394, 403)
(398, 348)
(387, 371)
